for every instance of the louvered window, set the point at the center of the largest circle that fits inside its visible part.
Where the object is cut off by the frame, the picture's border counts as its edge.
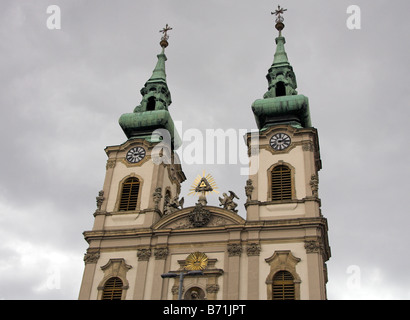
(283, 286)
(129, 194)
(112, 289)
(281, 183)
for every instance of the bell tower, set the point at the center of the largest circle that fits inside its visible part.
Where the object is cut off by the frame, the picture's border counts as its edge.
(143, 176)
(284, 188)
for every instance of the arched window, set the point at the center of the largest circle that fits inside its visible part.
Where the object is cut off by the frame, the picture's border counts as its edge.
(280, 89)
(151, 104)
(283, 287)
(112, 289)
(129, 194)
(281, 183)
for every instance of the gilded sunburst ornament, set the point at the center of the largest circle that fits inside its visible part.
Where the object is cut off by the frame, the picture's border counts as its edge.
(196, 261)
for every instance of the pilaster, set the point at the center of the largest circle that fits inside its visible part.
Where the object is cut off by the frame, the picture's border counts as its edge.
(233, 267)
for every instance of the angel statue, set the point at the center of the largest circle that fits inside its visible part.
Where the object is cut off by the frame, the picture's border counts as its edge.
(227, 201)
(176, 203)
(173, 205)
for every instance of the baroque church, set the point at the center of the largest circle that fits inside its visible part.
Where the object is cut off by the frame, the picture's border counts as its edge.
(144, 245)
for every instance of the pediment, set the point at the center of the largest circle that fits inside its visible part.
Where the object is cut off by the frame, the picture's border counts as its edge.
(199, 217)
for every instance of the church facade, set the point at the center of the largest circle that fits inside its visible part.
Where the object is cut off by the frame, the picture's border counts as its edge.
(144, 245)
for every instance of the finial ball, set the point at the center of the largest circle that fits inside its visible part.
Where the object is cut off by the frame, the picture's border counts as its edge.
(164, 43)
(279, 26)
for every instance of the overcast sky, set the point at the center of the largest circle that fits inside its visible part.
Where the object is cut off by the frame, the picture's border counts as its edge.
(63, 91)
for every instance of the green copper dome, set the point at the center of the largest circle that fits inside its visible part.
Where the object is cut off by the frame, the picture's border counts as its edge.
(152, 113)
(281, 104)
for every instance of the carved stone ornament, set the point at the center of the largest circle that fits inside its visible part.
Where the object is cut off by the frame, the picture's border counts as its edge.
(186, 223)
(100, 199)
(157, 196)
(161, 253)
(308, 147)
(175, 290)
(227, 201)
(173, 204)
(143, 254)
(199, 217)
(110, 164)
(314, 184)
(253, 249)
(91, 256)
(212, 288)
(234, 249)
(313, 246)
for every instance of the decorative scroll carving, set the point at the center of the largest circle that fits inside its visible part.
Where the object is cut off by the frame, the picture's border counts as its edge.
(143, 254)
(161, 253)
(110, 163)
(234, 249)
(186, 223)
(314, 246)
(253, 249)
(91, 256)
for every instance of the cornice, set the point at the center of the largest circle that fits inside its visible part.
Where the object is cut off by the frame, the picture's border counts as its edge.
(267, 203)
(265, 225)
(129, 143)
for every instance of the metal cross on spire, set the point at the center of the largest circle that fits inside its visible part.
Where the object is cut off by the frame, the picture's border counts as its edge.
(279, 19)
(278, 12)
(165, 32)
(165, 37)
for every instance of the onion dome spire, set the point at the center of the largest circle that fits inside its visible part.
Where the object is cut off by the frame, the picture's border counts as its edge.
(281, 104)
(281, 58)
(159, 74)
(152, 113)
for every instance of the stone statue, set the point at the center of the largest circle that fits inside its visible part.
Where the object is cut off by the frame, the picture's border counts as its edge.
(173, 204)
(249, 189)
(227, 201)
(100, 199)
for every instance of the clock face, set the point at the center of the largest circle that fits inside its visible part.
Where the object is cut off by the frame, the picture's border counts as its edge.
(135, 155)
(280, 141)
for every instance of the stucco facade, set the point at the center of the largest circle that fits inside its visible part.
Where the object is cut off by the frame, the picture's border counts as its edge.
(142, 231)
